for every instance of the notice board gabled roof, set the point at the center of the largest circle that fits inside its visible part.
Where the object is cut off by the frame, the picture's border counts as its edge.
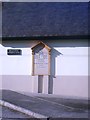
(28, 19)
(41, 43)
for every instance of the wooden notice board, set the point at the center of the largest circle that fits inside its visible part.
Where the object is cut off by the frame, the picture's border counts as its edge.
(41, 59)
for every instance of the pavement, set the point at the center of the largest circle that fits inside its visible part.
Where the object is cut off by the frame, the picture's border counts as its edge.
(48, 107)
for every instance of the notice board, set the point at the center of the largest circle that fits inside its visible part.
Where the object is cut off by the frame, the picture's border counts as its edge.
(41, 59)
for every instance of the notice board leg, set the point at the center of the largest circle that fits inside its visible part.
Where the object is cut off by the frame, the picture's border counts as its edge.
(45, 84)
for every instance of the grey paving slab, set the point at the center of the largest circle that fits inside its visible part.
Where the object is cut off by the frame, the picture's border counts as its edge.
(54, 108)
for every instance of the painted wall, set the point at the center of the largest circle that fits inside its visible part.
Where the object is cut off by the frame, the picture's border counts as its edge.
(69, 67)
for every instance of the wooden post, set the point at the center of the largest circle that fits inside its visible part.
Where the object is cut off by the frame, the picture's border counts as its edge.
(49, 62)
(32, 62)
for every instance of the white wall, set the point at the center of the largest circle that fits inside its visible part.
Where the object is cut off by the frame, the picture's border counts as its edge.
(69, 67)
(17, 64)
(69, 61)
(71, 86)
(0, 59)
(74, 61)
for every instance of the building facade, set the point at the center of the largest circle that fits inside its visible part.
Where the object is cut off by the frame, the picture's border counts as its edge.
(61, 26)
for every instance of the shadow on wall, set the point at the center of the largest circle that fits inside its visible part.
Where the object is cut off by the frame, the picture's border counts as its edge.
(67, 43)
(50, 43)
(54, 54)
(19, 43)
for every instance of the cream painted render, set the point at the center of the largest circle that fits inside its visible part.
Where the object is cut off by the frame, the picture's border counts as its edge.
(69, 68)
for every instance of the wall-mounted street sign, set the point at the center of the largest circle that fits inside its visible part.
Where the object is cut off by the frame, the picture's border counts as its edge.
(41, 59)
(14, 52)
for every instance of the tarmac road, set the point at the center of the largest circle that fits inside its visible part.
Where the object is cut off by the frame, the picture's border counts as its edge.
(7, 113)
(52, 107)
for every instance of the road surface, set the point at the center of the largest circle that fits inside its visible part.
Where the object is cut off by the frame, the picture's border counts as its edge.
(6, 113)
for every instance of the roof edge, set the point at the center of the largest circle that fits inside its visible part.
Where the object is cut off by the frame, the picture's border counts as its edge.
(46, 37)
